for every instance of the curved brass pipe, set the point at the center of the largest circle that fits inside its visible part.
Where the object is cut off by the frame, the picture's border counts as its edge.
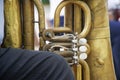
(64, 53)
(87, 13)
(86, 70)
(49, 34)
(41, 21)
(48, 46)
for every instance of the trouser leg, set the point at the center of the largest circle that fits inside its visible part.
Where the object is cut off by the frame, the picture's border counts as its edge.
(17, 64)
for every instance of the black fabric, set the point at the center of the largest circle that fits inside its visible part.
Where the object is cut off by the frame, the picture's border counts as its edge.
(18, 64)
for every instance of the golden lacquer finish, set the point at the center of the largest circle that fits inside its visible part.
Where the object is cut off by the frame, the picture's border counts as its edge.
(12, 24)
(84, 19)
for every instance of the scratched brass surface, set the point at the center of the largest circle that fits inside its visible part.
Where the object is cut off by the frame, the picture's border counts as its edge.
(41, 15)
(100, 59)
(28, 24)
(92, 23)
(12, 24)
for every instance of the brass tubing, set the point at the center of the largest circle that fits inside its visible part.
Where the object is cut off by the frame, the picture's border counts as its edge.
(41, 21)
(69, 59)
(41, 14)
(59, 30)
(100, 58)
(77, 70)
(64, 53)
(86, 70)
(60, 39)
(28, 25)
(48, 46)
(62, 29)
(49, 34)
(87, 13)
(13, 32)
(62, 44)
(77, 19)
(73, 13)
(68, 16)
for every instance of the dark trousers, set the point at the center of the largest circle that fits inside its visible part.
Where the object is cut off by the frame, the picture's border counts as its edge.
(115, 42)
(18, 64)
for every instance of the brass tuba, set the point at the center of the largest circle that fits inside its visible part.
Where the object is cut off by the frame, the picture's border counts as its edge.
(84, 40)
(19, 23)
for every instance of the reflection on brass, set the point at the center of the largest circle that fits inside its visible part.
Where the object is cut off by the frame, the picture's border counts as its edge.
(41, 21)
(28, 25)
(77, 70)
(84, 40)
(100, 57)
(19, 35)
(86, 10)
(12, 24)
(86, 71)
(65, 43)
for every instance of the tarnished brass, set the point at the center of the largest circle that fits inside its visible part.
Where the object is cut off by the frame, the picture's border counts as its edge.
(66, 43)
(13, 34)
(77, 70)
(41, 21)
(14, 31)
(49, 34)
(86, 10)
(28, 25)
(86, 71)
(84, 40)
(100, 57)
(74, 21)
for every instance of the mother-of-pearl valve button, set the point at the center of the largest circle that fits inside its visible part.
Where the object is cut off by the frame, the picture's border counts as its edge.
(82, 41)
(83, 56)
(82, 48)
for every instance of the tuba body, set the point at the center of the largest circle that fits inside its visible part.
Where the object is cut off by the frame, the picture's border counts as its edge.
(84, 40)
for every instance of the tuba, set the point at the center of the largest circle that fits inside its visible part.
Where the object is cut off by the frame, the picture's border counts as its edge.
(84, 40)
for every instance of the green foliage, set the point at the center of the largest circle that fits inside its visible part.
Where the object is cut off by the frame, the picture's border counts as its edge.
(45, 2)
